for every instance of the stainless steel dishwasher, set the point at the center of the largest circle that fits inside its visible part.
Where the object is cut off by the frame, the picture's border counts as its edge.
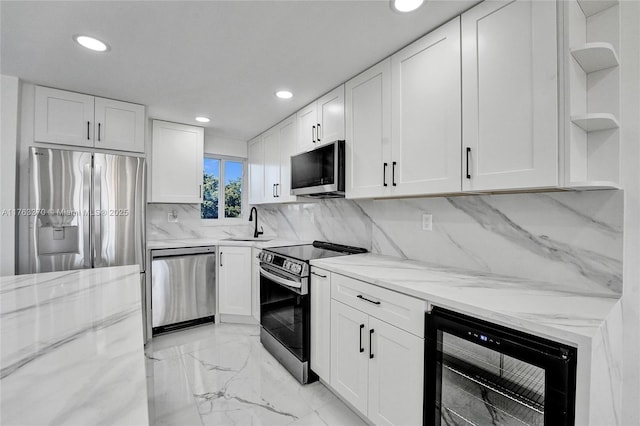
(182, 287)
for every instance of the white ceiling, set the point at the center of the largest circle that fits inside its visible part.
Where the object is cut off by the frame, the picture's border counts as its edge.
(221, 59)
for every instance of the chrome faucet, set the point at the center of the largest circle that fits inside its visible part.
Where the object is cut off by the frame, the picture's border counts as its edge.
(256, 233)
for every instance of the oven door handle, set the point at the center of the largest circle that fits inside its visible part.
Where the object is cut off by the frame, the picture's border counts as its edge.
(282, 281)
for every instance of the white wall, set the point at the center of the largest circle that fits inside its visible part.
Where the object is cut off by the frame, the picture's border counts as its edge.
(9, 133)
(630, 138)
(229, 147)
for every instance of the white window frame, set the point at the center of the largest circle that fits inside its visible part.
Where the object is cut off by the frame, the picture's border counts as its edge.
(221, 201)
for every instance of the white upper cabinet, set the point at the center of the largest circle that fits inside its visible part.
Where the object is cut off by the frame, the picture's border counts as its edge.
(76, 119)
(321, 121)
(426, 114)
(510, 95)
(270, 164)
(271, 141)
(177, 156)
(307, 119)
(368, 132)
(120, 125)
(63, 117)
(288, 147)
(256, 170)
(330, 109)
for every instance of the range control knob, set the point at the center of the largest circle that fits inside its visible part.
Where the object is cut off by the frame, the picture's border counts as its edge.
(297, 268)
(269, 257)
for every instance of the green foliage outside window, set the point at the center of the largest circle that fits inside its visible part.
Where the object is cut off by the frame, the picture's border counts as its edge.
(212, 187)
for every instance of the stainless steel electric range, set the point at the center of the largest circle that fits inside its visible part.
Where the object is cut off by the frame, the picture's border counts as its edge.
(284, 301)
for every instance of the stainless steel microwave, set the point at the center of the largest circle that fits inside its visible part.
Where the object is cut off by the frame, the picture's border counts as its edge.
(319, 173)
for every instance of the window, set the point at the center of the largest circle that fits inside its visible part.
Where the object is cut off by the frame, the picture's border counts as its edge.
(229, 172)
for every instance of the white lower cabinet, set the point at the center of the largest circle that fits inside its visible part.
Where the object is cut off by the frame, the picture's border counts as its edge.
(375, 366)
(234, 281)
(395, 375)
(320, 292)
(255, 284)
(349, 355)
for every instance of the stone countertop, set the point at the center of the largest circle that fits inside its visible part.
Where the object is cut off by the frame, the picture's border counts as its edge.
(540, 308)
(200, 242)
(72, 348)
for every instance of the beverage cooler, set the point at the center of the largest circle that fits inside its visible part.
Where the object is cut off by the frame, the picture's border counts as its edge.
(479, 373)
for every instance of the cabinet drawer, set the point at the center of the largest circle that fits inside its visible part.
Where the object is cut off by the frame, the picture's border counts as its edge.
(398, 309)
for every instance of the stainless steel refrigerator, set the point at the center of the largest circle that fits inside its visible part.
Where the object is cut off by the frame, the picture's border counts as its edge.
(87, 210)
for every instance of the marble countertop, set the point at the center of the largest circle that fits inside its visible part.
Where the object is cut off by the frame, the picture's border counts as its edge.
(200, 242)
(540, 308)
(72, 348)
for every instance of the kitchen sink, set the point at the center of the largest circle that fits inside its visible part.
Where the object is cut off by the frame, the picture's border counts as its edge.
(246, 239)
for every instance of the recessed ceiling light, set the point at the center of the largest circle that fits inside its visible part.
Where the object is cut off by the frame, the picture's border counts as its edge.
(405, 5)
(203, 119)
(284, 94)
(91, 43)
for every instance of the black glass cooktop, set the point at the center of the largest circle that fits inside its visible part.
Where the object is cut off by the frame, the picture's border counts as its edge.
(317, 250)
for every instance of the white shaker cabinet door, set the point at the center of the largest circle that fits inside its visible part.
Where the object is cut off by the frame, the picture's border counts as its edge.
(177, 157)
(331, 116)
(349, 354)
(396, 365)
(426, 114)
(63, 117)
(256, 170)
(510, 95)
(234, 280)
(119, 125)
(288, 147)
(320, 358)
(271, 141)
(368, 132)
(307, 119)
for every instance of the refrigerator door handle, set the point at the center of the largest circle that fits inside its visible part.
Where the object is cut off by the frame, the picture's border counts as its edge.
(97, 215)
(85, 216)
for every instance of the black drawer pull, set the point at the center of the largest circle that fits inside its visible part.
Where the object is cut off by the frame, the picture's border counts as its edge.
(361, 328)
(375, 302)
(370, 346)
(318, 275)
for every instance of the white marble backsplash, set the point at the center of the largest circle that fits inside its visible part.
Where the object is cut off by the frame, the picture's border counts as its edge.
(189, 224)
(571, 238)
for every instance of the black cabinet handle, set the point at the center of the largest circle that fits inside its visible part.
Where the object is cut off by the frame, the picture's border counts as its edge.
(318, 133)
(468, 154)
(99, 132)
(221, 258)
(277, 192)
(313, 134)
(318, 275)
(375, 302)
(273, 190)
(384, 174)
(370, 346)
(88, 123)
(361, 328)
(393, 173)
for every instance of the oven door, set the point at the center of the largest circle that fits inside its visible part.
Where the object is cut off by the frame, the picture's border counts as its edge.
(284, 312)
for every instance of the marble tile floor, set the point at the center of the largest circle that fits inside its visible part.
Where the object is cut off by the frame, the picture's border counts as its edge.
(220, 374)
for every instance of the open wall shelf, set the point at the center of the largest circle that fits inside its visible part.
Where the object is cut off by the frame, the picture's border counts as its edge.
(595, 122)
(594, 57)
(591, 7)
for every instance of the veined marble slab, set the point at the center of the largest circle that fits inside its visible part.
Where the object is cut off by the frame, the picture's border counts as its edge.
(590, 321)
(200, 242)
(72, 348)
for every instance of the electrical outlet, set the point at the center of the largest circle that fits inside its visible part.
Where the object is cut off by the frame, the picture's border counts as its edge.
(172, 217)
(427, 222)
